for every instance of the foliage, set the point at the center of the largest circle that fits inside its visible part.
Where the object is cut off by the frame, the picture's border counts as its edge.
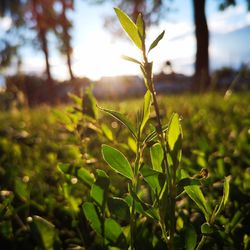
(68, 180)
(33, 142)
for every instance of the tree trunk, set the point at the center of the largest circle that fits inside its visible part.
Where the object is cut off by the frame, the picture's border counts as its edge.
(201, 77)
(67, 40)
(44, 45)
(69, 63)
(41, 31)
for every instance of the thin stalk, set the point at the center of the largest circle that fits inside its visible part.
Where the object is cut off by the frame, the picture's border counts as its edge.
(164, 231)
(132, 226)
(170, 185)
(201, 243)
(135, 187)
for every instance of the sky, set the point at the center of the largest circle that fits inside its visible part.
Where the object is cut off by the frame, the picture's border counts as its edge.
(97, 53)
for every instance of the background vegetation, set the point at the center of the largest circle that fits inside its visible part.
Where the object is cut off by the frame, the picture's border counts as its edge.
(34, 142)
(72, 177)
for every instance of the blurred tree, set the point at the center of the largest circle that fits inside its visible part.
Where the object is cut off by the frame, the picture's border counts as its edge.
(226, 3)
(201, 76)
(154, 10)
(7, 52)
(62, 31)
(43, 19)
(12, 10)
(36, 14)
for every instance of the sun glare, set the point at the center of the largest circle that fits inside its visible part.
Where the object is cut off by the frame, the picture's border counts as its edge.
(103, 58)
(100, 57)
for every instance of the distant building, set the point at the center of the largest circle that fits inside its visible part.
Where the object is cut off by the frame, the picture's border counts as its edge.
(172, 83)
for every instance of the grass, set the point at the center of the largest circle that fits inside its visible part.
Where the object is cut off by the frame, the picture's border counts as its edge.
(32, 143)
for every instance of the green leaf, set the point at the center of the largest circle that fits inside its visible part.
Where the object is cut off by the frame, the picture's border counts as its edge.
(141, 207)
(131, 59)
(190, 237)
(80, 172)
(195, 193)
(144, 73)
(6, 229)
(89, 103)
(152, 177)
(174, 132)
(129, 27)
(186, 182)
(99, 189)
(117, 161)
(138, 207)
(132, 144)
(225, 196)
(174, 139)
(75, 98)
(85, 176)
(150, 137)
(64, 167)
(46, 232)
(206, 228)
(140, 26)
(22, 190)
(92, 216)
(156, 41)
(107, 132)
(146, 109)
(121, 118)
(156, 154)
(112, 229)
(118, 207)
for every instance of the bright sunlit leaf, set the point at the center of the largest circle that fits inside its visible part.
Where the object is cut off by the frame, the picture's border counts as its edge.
(146, 109)
(131, 59)
(174, 132)
(132, 144)
(129, 26)
(156, 154)
(107, 132)
(117, 161)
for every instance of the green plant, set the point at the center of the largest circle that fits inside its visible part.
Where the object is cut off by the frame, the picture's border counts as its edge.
(146, 205)
(166, 181)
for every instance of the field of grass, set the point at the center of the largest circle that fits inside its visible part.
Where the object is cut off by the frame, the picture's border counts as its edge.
(45, 151)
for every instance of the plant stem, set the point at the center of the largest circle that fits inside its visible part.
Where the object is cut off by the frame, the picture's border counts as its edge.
(132, 226)
(163, 229)
(201, 243)
(135, 187)
(170, 184)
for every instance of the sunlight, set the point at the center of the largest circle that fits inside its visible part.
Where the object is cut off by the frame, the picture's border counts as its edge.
(100, 57)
